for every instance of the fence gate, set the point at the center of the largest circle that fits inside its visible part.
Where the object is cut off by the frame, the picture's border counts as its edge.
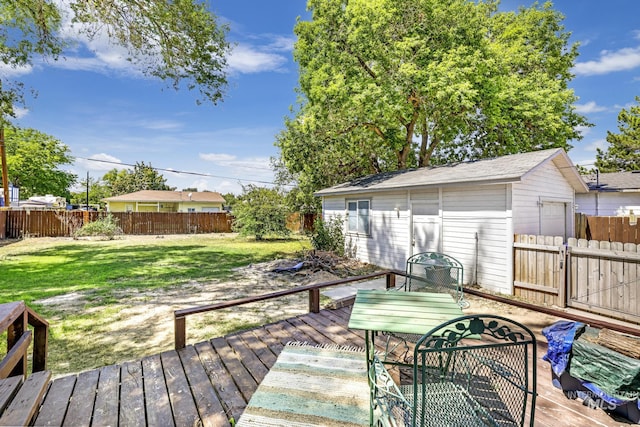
(604, 278)
(539, 269)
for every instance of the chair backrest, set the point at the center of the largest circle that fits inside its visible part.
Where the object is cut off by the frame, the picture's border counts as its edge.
(475, 368)
(436, 271)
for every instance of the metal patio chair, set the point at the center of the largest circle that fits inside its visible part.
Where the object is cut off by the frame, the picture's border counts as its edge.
(476, 370)
(435, 272)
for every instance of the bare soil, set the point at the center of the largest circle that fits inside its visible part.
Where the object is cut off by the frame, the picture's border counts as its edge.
(141, 323)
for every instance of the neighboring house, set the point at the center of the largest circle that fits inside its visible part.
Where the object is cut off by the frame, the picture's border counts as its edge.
(610, 194)
(166, 201)
(469, 210)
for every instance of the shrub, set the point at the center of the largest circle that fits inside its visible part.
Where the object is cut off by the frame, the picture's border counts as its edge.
(329, 235)
(261, 212)
(106, 227)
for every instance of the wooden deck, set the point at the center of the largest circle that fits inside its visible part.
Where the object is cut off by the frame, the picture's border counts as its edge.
(210, 383)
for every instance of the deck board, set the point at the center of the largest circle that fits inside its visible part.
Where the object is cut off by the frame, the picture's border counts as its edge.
(210, 383)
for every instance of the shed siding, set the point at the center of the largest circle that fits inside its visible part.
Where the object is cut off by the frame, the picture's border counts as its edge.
(387, 243)
(609, 204)
(481, 211)
(544, 183)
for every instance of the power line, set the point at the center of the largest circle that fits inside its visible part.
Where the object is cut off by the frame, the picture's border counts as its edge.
(184, 172)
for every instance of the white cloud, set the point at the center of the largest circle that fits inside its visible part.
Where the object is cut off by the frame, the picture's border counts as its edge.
(217, 158)
(100, 162)
(601, 144)
(589, 107)
(247, 59)
(20, 112)
(610, 61)
(583, 130)
(7, 71)
(160, 124)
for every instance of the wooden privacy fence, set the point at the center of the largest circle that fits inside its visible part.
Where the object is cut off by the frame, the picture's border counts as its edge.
(606, 228)
(50, 223)
(596, 276)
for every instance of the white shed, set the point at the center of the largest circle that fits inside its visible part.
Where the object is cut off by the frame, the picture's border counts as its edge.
(468, 210)
(610, 194)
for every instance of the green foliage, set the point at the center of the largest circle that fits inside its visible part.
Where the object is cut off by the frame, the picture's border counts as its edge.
(179, 42)
(230, 200)
(261, 212)
(97, 191)
(142, 177)
(329, 235)
(623, 153)
(106, 227)
(33, 162)
(395, 84)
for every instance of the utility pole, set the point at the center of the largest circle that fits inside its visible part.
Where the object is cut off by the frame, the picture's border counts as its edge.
(87, 191)
(5, 174)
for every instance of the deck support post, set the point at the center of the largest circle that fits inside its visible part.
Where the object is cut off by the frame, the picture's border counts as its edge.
(391, 280)
(314, 300)
(180, 332)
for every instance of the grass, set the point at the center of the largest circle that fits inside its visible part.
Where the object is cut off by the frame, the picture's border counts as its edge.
(108, 276)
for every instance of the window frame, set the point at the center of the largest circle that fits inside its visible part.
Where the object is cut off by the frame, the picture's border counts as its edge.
(362, 222)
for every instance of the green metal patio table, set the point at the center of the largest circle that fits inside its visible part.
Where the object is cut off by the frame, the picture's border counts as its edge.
(411, 313)
(414, 313)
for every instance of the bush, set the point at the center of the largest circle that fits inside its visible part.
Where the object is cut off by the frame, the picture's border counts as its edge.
(106, 227)
(329, 236)
(261, 212)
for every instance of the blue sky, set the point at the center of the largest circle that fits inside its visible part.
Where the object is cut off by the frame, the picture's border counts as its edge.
(102, 109)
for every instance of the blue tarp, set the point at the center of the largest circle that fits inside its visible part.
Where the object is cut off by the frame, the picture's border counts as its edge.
(593, 364)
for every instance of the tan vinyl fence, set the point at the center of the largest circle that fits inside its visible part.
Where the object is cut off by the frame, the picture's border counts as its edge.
(599, 277)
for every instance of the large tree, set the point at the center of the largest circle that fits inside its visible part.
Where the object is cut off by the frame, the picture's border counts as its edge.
(142, 177)
(623, 153)
(393, 84)
(34, 160)
(180, 41)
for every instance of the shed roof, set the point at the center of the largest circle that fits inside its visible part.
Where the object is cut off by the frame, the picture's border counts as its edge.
(505, 169)
(168, 196)
(613, 181)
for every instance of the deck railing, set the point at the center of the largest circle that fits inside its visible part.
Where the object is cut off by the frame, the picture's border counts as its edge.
(180, 316)
(15, 319)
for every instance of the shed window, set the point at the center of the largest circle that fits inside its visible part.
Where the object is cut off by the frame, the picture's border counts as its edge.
(358, 214)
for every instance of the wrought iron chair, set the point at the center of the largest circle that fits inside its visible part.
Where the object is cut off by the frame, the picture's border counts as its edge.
(476, 370)
(435, 272)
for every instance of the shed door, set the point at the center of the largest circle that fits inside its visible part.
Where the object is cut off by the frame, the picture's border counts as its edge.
(425, 230)
(553, 219)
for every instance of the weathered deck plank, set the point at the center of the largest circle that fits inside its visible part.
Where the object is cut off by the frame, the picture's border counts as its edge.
(210, 382)
(132, 412)
(157, 403)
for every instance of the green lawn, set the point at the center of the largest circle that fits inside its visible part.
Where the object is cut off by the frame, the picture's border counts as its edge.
(108, 276)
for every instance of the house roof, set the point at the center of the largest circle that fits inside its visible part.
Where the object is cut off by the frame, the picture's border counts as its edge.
(505, 169)
(149, 196)
(613, 181)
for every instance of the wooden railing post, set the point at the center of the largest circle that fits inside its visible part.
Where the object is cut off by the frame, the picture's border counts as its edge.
(180, 332)
(314, 300)
(14, 335)
(391, 280)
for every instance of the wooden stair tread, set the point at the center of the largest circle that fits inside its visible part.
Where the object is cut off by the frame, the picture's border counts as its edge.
(26, 401)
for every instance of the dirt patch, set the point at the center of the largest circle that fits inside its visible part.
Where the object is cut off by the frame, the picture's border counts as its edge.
(141, 321)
